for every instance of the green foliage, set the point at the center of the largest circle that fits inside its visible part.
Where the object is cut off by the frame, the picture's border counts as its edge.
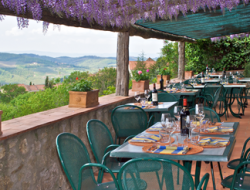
(82, 86)
(76, 74)
(140, 75)
(170, 56)
(228, 53)
(165, 71)
(10, 91)
(47, 82)
(110, 90)
(103, 79)
(58, 80)
(247, 70)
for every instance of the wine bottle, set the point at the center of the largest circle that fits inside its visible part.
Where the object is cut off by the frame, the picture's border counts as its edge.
(161, 83)
(154, 96)
(202, 79)
(183, 117)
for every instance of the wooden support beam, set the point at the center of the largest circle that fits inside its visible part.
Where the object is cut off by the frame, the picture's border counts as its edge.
(181, 60)
(122, 60)
(134, 30)
(1, 112)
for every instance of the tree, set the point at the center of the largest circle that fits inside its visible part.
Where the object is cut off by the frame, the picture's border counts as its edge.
(73, 75)
(30, 83)
(140, 63)
(47, 82)
(10, 91)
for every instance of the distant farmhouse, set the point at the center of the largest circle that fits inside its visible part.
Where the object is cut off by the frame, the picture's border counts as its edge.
(32, 88)
(148, 62)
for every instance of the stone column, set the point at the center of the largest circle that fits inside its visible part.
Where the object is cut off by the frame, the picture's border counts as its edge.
(1, 122)
(122, 60)
(181, 60)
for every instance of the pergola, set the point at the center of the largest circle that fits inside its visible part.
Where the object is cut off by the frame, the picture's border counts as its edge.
(175, 20)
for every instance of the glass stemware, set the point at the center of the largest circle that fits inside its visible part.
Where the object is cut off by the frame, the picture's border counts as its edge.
(137, 96)
(147, 94)
(191, 123)
(177, 111)
(199, 111)
(164, 117)
(170, 127)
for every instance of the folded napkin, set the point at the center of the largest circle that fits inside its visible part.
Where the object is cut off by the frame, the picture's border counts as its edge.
(213, 142)
(155, 128)
(170, 149)
(218, 142)
(146, 138)
(226, 129)
(205, 141)
(212, 129)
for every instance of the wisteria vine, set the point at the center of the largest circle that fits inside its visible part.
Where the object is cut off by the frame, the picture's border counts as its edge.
(119, 13)
(241, 35)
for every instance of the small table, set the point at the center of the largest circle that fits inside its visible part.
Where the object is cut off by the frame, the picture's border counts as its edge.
(209, 154)
(164, 106)
(212, 80)
(244, 80)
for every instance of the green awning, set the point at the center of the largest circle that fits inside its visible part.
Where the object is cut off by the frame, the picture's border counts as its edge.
(205, 24)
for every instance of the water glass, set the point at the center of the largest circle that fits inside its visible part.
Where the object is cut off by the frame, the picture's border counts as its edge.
(144, 102)
(177, 111)
(234, 80)
(147, 94)
(164, 119)
(182, 140)
(165, 136)
(195, 135)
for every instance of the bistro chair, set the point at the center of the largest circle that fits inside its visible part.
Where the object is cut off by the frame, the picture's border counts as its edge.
(129, 120)
(77, 166)
(222, 102)
(169, 171)
(209, 113)
(101, 143)
(240, 180)
(244, 153)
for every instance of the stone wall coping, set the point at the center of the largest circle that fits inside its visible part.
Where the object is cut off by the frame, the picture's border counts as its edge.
(26, 123)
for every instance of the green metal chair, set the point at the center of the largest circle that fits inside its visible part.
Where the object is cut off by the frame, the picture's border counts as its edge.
(128, 120)
(101, 143)
(234, 163)
(209, 113)
(240, 180)
(222, 102)
(77, 166)
(168, 172)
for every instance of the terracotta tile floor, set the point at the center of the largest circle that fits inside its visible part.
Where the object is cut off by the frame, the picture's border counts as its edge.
(242, 134)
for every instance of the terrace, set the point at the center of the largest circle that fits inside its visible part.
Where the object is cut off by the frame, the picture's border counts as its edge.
(28, 157)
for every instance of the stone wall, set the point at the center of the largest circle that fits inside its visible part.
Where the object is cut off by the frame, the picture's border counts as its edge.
(29, 161)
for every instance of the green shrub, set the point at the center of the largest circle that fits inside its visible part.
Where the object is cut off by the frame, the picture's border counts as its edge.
(82, 86)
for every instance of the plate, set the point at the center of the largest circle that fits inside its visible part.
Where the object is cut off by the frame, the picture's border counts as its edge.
(212, 146)
(149, 143)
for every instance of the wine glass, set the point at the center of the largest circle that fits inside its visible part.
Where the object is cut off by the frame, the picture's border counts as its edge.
(164, 118)
(191, 123)
(170, 127)
(147, 94)
(199, 111)
(137, 96)
(177, 111)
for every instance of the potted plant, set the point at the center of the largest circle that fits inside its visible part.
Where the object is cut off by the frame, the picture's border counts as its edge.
(82, 94)
(141, 80)
(165, 72)
(188, 72)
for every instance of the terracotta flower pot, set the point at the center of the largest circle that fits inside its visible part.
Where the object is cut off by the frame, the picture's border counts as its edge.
(1, 122)
(165, 78)
(188, 74)
(140, 86)
(83, 99)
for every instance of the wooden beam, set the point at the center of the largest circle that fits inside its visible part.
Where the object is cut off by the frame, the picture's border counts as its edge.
(122, 60)
(181, 60)
(133, 30)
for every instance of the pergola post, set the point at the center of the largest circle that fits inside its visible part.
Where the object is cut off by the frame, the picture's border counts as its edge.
(181, 60)
(122, 60)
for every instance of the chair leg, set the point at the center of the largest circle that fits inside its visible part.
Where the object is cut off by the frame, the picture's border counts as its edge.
(100, 176)
(212, 174)
(159, 181)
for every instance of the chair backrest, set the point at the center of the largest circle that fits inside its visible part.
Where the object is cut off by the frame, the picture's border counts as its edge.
(128, 120)
(166, 97)
(217, 96)
(73, 155)
(99, 138)
(135, 174)
(209, 113)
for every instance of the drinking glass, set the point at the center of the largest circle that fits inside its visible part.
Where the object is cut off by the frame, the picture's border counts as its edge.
(177, 112)
(164, 118)
(143, 101)
(165, 137)
(191, 123)
(137, 96)
(199, 111)
(147, 94)
(205, 123)
(182, 140)
(195, 135)
(170, 127)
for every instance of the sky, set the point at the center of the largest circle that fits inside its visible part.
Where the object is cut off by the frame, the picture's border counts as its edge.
(69, 41)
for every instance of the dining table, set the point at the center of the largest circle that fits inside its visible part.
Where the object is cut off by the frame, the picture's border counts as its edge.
(161, 107)
(244, 79)
(218, 154)
(233, 89)
(212, 80)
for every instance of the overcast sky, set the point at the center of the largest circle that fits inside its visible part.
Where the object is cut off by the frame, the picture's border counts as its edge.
(69, 41)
